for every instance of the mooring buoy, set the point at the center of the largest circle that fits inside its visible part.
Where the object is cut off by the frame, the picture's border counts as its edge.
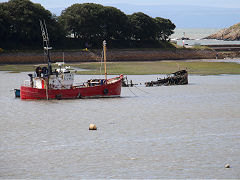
(92, 127)
(227, 166)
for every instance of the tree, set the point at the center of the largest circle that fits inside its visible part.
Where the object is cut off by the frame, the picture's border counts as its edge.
(4, 24)
(165, 28)
(88, 23)
(81, 20)
(94, 22)
(23, 23)
(115, 24)
(143, 26)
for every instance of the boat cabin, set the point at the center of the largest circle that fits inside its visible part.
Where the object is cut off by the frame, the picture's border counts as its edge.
(58, 79)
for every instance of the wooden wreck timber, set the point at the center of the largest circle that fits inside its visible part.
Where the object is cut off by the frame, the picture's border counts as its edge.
(176, 78)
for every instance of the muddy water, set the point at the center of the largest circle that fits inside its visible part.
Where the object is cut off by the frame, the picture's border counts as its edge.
(187, 131)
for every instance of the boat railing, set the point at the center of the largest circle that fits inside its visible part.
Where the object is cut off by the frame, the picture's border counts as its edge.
(113, 80)
(80, 85)
(27, 83)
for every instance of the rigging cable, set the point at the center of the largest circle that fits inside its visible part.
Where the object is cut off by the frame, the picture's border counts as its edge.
(97, 59)
(141, 90)
(132, 92)
(101, 64)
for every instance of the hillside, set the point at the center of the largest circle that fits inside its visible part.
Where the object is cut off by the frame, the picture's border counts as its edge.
(229, 34)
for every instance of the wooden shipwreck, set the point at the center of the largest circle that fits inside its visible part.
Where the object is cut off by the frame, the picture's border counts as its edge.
(177, 78)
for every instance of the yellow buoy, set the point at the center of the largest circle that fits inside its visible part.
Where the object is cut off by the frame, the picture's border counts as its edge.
(92, 127)
(227, 166)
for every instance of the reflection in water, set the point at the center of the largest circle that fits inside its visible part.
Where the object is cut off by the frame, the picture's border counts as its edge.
(188, 131)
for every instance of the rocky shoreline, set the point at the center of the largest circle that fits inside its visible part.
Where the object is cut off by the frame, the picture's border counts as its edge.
(229, 34)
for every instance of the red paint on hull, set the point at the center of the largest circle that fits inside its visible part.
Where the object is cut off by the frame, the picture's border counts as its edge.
(113, 90)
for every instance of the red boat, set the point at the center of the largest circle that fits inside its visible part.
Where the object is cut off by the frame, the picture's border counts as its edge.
(90, 89)
(58, 84)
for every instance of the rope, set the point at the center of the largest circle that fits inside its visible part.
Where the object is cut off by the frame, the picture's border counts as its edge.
(46, 89)
(98, 59)
(141, 89)
(101, 64)
(132, 92)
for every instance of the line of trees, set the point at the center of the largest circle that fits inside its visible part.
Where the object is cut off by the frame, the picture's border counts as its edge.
(79, 26)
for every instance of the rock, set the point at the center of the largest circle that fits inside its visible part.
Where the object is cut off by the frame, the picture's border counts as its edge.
(230, 34)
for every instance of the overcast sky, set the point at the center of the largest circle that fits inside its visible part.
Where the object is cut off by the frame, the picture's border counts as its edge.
(184, 13)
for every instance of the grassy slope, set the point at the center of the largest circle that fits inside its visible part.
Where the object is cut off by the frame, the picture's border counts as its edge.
(159, 67)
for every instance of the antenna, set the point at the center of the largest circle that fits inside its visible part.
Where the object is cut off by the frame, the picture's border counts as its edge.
(46, 44)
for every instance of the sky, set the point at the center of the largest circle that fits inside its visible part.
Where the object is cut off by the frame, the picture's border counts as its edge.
(184, 13)
(210, 3)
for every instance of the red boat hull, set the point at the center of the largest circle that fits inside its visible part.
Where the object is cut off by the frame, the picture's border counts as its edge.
(105, 90)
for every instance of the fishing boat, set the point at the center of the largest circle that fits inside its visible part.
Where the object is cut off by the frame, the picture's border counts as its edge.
(47, 84)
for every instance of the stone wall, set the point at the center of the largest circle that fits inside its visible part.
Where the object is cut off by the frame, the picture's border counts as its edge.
(112, 55)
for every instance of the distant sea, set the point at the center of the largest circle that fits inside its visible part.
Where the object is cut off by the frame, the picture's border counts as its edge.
(197, 35)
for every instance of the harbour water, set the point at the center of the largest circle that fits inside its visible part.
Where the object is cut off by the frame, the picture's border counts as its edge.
(188, 131)
(193, 33)
(196, 37)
